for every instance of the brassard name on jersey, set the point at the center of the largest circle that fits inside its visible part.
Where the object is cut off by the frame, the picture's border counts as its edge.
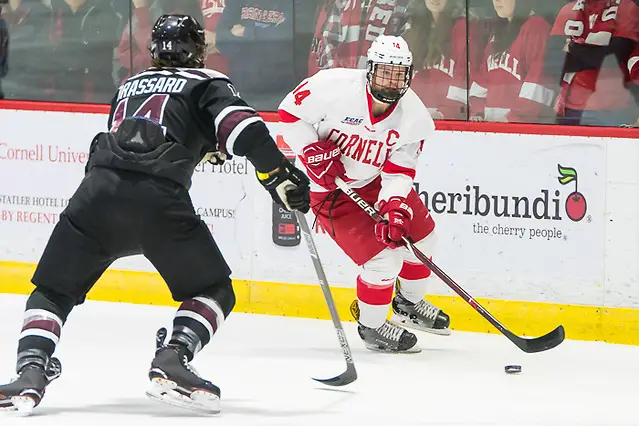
(151, 85)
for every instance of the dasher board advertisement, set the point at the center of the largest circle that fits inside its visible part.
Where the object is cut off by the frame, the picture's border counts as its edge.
(517, 216)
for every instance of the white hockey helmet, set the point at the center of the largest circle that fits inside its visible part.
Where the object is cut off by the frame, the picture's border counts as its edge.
(390, 68)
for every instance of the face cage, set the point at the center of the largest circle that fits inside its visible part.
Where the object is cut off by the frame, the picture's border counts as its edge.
(385, 92)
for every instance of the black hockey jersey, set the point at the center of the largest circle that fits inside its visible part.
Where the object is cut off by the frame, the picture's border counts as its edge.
(173, 117)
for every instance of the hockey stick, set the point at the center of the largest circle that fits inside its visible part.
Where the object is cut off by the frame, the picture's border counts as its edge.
(350, 375)
(528, 345)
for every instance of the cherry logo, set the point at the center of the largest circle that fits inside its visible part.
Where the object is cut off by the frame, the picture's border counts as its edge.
(575, 202)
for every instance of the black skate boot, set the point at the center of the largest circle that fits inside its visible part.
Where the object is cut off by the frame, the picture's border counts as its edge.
(25, 392)
(421, 316)
(175, 382)
(388, 338)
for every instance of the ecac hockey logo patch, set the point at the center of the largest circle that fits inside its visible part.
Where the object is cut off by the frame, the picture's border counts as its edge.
(353, 121)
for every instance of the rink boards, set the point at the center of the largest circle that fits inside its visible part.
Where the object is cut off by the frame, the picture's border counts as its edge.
(541, 228)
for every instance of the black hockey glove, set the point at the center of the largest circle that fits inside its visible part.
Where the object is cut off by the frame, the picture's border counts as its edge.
(289, 187)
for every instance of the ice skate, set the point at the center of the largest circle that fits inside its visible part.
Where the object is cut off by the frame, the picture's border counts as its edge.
(421, 316)
(175, 382)
(26, 391)
(389, 338)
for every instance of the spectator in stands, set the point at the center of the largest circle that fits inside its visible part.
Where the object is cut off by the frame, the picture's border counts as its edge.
(84, 35)
(344, 30)
(443, 55)
(30, 50)
(256, 36)
(4, 51)
(512, 86)
(123, 9)
(212, 11)
(134, 53)
(587, 55)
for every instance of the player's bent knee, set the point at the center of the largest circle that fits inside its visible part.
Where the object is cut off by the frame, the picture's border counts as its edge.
(51, 301)
(383, 268)
(222, 292)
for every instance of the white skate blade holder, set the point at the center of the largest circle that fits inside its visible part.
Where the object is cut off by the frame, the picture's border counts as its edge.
(22, 406)
(200, 401)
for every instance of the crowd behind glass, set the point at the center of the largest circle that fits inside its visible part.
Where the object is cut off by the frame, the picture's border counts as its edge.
(526, 61)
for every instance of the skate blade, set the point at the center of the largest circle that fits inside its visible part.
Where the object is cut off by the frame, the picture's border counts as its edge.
(404, 322)
(18, 406)
(200, 401)
(414, 350)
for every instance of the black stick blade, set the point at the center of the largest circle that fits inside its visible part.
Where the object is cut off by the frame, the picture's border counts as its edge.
(539, 344)
(348, 376)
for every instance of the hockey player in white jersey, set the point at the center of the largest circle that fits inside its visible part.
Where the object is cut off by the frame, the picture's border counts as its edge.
(369, 127)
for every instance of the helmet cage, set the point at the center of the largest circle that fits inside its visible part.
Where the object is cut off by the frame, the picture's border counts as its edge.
(387, 90)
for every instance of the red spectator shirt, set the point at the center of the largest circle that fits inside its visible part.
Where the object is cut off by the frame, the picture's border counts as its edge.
(212, 11)
(346, 29)
(597, 89)
(443, 86)
(515, 87)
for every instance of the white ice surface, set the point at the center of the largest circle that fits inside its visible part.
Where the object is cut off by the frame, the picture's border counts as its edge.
(264, 366)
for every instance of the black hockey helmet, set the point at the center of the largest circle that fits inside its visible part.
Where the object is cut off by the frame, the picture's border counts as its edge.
(177, 41)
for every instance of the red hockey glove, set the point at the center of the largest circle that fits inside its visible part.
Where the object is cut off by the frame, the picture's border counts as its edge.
(398, 215)
(322, 161)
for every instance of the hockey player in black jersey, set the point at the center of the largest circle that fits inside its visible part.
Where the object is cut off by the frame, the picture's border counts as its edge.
(134, 200)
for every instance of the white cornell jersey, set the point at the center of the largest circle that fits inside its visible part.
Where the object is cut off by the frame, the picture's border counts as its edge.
(335, 105)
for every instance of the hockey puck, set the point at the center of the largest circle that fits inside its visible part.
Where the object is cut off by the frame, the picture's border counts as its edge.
(513, 369)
